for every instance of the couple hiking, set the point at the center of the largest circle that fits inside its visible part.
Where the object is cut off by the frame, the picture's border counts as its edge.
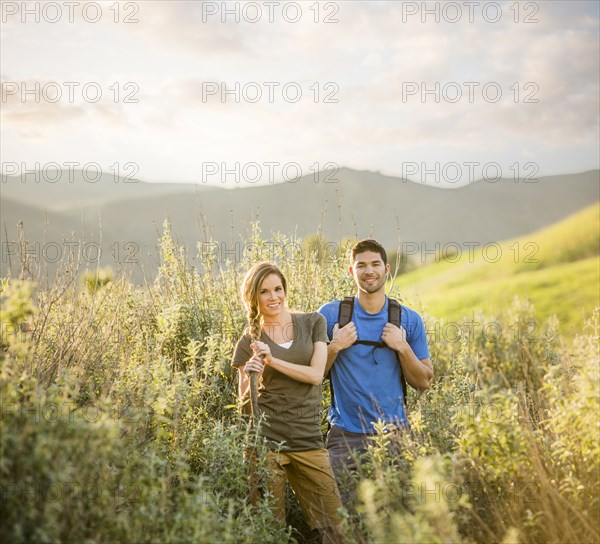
(369, 346)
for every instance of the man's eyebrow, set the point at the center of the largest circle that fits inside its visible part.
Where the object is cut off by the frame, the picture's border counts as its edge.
(374, 261)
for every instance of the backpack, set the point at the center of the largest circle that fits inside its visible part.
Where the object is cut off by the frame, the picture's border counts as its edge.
(394, 317)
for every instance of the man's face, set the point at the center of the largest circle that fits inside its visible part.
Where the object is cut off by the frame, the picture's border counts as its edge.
(369, 272)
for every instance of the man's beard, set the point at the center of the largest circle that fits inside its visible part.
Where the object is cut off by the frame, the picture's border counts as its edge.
(374, 287)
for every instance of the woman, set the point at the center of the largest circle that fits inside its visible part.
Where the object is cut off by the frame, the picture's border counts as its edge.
(289, 352)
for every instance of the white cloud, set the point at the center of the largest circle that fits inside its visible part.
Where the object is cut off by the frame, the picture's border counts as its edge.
(369, 54)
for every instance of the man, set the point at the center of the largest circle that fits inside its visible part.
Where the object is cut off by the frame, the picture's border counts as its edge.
(366, 379)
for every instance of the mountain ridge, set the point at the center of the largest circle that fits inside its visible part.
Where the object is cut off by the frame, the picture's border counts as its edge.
(360, 204)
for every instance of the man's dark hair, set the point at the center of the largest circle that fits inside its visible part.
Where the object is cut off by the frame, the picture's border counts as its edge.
(368, 244)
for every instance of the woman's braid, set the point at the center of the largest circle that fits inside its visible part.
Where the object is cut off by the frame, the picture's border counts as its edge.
(254, 325)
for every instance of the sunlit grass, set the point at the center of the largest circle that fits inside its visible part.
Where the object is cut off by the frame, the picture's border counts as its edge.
(556, 269)
(130, 393)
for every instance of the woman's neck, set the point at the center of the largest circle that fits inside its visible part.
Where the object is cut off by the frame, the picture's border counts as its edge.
(282, 319)
(279, 329)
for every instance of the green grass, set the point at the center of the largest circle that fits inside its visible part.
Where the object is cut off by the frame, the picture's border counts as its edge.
(556, 269)
(129, 392)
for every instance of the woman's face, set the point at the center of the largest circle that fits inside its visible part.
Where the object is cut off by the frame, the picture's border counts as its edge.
(271, 296)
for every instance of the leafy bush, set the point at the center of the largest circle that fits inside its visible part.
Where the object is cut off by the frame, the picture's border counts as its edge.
(120, 420)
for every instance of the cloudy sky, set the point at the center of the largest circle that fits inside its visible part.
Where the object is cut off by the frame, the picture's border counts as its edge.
(184, 90)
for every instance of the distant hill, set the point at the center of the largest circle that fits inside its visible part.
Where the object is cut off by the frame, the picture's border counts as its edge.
(49, 237)
(76, 188)
(556, 268)
(358, 204)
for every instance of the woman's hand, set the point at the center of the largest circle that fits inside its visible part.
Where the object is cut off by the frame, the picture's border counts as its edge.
(262, 350)
(254, 364)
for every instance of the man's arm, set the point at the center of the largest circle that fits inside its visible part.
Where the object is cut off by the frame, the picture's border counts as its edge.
(342, 338)
(418, 372)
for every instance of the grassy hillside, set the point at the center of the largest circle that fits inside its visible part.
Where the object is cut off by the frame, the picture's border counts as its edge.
(556, 269)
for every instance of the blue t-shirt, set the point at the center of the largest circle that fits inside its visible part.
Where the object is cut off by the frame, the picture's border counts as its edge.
(366, 379)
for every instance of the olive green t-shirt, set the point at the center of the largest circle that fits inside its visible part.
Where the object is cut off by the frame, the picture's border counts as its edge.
(292, 409)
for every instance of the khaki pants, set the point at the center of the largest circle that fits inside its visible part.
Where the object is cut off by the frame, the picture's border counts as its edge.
(311, 478)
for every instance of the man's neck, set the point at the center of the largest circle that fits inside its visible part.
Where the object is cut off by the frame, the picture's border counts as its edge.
(372, 303)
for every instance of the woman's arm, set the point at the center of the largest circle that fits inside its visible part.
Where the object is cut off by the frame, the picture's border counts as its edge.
(312, 374)
(254, 364)
(244, 383)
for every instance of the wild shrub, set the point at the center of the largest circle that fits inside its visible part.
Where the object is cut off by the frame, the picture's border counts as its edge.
(120, 420)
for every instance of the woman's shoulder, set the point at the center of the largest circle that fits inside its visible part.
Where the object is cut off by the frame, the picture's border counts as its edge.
(242, 350)
(244, 340)
(308, 318)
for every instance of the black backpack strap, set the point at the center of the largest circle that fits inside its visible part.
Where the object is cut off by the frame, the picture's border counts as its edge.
(395, 318)
(344, 317)
(370, 343)
(345, 311)
(394, 312)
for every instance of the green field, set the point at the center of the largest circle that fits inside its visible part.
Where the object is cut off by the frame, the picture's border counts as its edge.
(556, 269)
(120, 419)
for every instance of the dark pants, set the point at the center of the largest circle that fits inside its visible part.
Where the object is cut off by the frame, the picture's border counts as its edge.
(346, 452)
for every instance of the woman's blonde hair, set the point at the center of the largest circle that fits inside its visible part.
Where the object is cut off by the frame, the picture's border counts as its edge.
(250, 288)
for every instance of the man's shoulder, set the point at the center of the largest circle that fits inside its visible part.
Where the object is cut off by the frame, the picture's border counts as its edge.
(411, 314)
(329, 308)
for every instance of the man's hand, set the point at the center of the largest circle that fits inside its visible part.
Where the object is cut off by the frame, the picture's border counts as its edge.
(418, 373)
(343, 338)
(395, 338)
